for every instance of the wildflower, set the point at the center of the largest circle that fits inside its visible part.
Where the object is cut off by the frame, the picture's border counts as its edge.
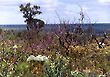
(74, 72)
(41, 58)
(15, 46)
(102, 75)
(103, 44)
(97, 47)
(100, 43)
(77, 47)
(87, 70)
(31, 58)
(37, 58)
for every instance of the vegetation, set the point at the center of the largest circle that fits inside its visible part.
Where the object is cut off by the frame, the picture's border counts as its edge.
(61, 53)
(29, 12)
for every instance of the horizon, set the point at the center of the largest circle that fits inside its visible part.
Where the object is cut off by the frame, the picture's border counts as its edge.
(55, 23)
(96, 10)
(98, 27)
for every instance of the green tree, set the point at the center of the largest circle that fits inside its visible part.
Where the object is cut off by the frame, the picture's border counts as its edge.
(29, 12)
(33, 25)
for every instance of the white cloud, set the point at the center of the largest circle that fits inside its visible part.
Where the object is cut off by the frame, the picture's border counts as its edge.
(104, 1)
(10, 18)
(9, 2)
(47, 5)
(9, 10)
(39, 1)
(97, 15)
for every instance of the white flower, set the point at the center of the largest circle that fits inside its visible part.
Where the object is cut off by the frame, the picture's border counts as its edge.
(100, 43)
(98, 47)
(41, 58)
(102, 75)
(74, 72)
(45, 58)
(31, 57)
(15, 46)
(103, 44)
(37, 58)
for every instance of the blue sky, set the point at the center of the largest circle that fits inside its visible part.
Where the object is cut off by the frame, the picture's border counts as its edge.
(66, 10)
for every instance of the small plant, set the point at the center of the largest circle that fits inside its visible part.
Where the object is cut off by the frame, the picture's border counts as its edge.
(55, 68)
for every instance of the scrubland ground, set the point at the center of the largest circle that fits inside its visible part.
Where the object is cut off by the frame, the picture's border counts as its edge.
(53, 54)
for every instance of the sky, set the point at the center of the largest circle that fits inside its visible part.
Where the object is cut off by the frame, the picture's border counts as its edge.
(54, 11)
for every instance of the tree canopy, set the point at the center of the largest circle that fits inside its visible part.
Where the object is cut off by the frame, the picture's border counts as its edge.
(29, 13)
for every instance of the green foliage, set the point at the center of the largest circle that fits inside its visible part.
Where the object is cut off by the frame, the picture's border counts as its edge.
(81, 61)
(13, 63)
(59, 68)
(55, 68)
(10, 35)
(29, 11)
